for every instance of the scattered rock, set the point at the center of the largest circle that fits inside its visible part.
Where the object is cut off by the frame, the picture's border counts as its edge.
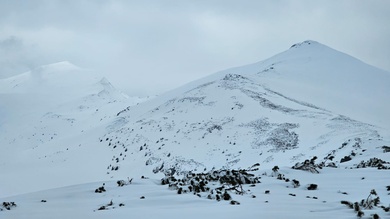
(295, 183)
(217, 183)
(100, 189)
(374, 162)
(232, 202)
(123, 182)
(345, 159)
(308, 165)
(8, 205)
(102, 208)
(312, 187)
(347, 203)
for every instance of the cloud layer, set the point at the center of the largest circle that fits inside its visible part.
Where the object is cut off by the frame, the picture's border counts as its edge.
(147, 47)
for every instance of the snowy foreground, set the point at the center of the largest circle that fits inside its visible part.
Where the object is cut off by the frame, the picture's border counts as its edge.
(283, 200)
(303, 134)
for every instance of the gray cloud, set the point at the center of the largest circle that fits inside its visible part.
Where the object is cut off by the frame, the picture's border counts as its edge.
(16, 57)
(146, 47)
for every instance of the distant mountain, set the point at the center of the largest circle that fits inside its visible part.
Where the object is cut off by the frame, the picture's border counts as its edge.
(62, 78)
(45, 112)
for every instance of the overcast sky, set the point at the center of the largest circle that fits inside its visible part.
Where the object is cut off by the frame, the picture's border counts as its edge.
(148, 47)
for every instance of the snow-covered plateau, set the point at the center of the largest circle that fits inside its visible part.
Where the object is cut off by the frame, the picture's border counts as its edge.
(303, 134)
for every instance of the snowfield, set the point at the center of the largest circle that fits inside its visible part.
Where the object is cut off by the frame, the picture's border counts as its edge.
(312, 120)
(283, 201)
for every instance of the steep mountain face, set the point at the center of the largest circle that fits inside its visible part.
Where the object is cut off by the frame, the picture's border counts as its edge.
(308, 101)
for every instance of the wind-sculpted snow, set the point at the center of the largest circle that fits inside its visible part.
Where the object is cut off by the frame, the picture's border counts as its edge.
(267, 103)
(296, 101)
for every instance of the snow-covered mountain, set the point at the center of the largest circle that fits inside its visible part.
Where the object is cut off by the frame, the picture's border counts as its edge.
(305, 102)
(62, 126)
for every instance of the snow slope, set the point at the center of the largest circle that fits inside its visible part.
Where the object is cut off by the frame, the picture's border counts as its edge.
(309, 101)
(79, 201)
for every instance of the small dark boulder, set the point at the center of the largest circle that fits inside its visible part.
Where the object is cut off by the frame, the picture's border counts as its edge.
(295, 183)
(312, 187)
(180, 191)
(232, 202)
(345, 159)
(226, 196)
(347, 203)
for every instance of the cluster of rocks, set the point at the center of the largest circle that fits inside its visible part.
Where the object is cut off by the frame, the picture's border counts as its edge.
(121, 183)
(216, 184)
(374, 162)
(8, 205)
(101, 189)
(308, 165)
(371, 202)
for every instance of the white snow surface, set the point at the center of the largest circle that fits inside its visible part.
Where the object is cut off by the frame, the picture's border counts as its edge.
(64, 132)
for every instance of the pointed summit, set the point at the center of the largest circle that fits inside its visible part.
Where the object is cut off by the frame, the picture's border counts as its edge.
(109, 91)
(328, 78)
(315, 73)
(305, 43)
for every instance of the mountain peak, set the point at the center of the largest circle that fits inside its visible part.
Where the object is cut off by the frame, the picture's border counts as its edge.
(56, 67)
(305, 43)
